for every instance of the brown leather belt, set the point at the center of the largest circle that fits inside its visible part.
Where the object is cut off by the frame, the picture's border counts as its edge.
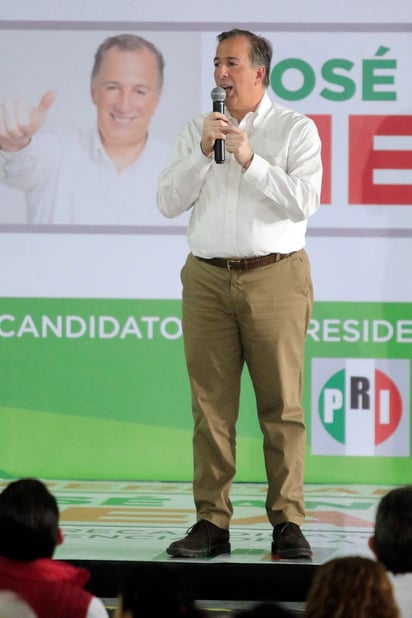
(245, 263)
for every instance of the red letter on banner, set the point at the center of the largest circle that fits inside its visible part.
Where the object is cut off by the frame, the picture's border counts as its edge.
(324, 125)
(363, 160)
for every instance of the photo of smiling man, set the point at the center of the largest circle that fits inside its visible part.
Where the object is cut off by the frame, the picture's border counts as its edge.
(102, 176)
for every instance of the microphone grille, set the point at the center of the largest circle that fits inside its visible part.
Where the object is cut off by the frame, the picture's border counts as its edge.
(218, 94)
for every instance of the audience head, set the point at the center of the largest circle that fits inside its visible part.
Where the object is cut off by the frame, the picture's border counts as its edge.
(392, 539)
(162, 590)
(351, 587)
(29, 521)
(13, 606)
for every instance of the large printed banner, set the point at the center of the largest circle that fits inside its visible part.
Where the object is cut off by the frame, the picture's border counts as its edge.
(92, 375)
(98, 389)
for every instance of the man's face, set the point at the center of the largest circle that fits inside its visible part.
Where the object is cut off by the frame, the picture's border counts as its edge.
(126, 94)
(234, 73)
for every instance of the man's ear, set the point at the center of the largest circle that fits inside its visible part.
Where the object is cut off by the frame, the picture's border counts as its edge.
(60, 536)
(260, 74)
(371, 544)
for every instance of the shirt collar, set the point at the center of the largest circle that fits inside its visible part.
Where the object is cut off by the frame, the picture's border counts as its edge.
(96, 146)
(98, 152)
(252, 119)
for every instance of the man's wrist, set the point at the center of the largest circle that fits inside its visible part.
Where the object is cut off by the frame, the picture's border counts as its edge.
(248, 162)
(209, 156)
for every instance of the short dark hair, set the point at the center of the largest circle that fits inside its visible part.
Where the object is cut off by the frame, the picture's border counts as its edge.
(128, 42)
(260, 49)
(29, 520)
(393, 530)
(162, 589)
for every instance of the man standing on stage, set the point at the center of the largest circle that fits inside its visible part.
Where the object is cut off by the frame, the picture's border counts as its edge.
(247, 289)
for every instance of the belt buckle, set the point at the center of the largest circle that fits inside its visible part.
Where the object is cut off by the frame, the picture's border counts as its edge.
(230, 262)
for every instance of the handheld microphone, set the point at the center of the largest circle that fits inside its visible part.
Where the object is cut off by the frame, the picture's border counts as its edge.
(218, 96)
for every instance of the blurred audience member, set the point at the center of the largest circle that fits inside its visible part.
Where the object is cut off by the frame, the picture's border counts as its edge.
(29, 534)
(392, 543)
(351, 587)
(162, 591)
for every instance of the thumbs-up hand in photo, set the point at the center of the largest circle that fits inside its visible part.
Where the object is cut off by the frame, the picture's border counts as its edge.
(18, 121)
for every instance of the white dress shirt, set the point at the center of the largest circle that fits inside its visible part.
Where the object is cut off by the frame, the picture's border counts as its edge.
(244, 214)
(69, 178)
(402, 588)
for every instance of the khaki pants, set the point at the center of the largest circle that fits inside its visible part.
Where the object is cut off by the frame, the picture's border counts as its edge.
(258, 317)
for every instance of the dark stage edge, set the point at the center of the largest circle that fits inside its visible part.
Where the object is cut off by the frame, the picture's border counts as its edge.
(210, 581)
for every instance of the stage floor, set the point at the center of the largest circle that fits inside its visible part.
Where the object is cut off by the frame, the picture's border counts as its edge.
(110, 525)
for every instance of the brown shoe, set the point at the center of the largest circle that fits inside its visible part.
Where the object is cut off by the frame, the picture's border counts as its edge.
(289, 541)
(203, 539)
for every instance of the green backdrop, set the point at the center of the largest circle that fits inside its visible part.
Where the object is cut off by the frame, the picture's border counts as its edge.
(97, 389)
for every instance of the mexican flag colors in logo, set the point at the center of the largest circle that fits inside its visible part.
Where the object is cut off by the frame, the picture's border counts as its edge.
(360, 407)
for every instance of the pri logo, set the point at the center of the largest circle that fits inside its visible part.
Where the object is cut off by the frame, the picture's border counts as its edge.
(360, 407)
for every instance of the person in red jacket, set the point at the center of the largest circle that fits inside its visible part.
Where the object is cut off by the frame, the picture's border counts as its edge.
(29, 534)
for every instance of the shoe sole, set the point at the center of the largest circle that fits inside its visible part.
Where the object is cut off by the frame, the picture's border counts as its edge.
(199, 553)
(292, 553)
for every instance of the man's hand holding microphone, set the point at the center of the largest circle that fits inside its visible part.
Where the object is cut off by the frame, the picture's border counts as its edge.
(219, 134)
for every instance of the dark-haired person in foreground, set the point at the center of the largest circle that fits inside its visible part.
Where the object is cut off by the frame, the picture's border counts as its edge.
(161, 590)
(247, 289)
(29, 534)
(392, 543)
